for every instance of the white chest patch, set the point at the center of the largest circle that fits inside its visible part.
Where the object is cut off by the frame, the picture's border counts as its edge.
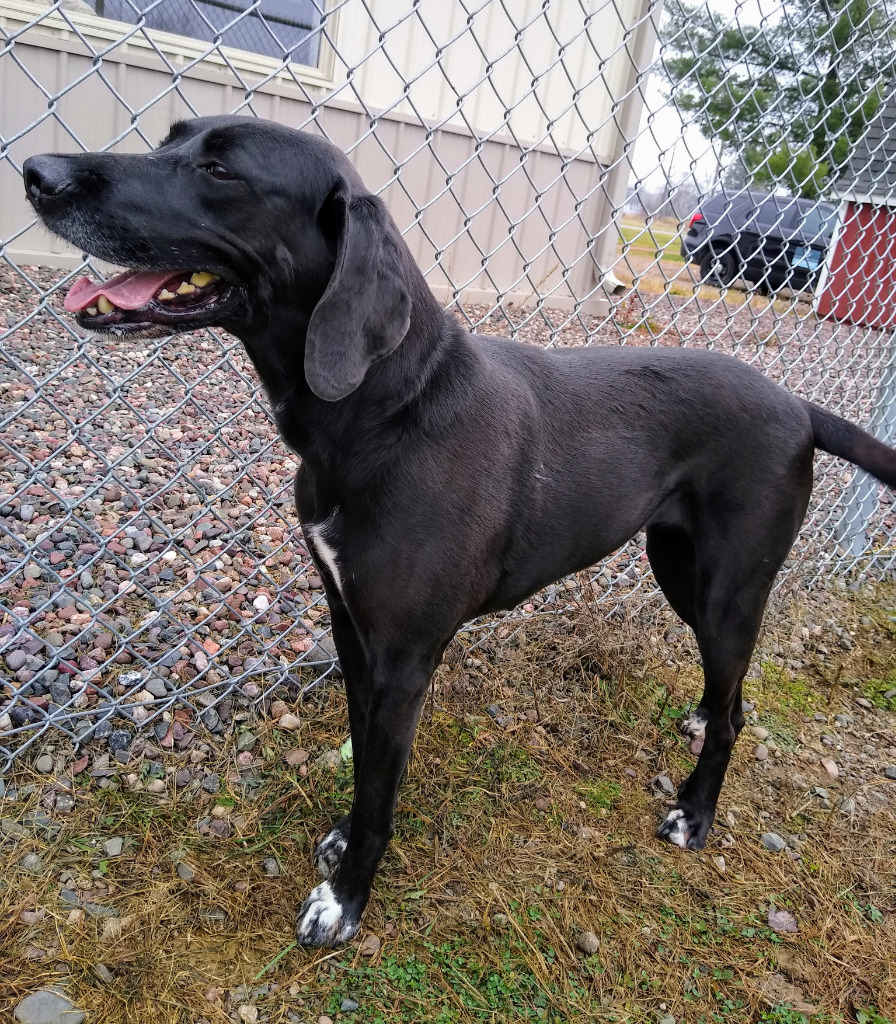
(324, 550)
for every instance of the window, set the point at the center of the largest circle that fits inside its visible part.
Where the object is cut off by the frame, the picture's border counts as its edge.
(818, 224)
(284, 29)
(775, 216)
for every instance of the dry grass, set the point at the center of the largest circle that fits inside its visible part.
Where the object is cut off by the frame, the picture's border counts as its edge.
(511, 840)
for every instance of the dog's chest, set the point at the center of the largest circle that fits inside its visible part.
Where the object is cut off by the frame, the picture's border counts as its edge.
(322, 540)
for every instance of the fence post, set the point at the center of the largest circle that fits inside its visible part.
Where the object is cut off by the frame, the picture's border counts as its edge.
(608, 203)
(860, 497)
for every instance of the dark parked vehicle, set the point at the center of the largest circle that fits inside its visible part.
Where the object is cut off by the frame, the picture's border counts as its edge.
(770, 241)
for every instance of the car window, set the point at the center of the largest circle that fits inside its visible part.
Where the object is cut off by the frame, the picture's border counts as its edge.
(775, 215)
(818, 224)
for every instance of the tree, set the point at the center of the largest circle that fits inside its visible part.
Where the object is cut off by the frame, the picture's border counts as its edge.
(788, 98)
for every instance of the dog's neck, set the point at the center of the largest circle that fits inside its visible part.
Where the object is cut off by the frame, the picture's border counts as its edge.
(326, 434)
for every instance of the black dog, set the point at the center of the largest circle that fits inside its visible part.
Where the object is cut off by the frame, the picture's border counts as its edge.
(444, 475)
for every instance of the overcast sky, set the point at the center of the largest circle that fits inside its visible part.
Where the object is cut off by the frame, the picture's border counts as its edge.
(665, 146)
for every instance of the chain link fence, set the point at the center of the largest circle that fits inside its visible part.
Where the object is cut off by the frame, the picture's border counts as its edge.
(569, 172)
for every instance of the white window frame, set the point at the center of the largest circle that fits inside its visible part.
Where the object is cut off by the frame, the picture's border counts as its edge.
(22, 17)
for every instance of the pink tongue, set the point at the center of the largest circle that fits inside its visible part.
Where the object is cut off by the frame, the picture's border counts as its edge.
(130, 290)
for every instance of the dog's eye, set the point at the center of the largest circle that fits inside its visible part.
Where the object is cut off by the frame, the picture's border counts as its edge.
(219, 172)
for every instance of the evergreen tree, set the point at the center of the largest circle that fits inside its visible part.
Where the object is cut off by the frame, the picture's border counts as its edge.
(786, 98)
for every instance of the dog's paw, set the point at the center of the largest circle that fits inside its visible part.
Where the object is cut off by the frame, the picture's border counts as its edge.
(324, 920)
(685, 829)
(694, 727)
(328, 852)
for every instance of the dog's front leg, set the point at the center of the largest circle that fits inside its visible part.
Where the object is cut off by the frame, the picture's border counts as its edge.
(356, 673)
(332, 913)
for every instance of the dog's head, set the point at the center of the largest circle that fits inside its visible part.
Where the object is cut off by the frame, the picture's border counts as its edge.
(238, 223)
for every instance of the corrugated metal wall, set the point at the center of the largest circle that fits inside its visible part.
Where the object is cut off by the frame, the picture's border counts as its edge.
(502, 66)
(485, 219)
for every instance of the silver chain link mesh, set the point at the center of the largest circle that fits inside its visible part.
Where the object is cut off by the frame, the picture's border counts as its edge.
(545, 161)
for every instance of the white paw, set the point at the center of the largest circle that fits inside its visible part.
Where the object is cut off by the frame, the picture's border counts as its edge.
(694, 725)
(323, 920)
(329, 853)
(674, 829)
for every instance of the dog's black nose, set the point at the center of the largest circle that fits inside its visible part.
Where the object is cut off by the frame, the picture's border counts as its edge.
(46, 176)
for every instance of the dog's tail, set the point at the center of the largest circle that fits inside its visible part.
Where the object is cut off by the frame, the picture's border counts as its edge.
(840, 437)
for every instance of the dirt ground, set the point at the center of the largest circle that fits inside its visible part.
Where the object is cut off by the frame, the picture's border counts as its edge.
(524, 881)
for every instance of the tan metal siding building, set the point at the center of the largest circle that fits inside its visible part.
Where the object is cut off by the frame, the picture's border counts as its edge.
(500, 167)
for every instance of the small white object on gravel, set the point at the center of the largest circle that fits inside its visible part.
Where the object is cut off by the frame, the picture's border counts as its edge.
(47, 1007)
(759, 732)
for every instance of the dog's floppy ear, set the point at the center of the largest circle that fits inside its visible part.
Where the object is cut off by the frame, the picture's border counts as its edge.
(365, 310)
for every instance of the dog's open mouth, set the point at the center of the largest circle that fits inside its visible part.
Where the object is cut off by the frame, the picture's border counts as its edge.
(138, 301)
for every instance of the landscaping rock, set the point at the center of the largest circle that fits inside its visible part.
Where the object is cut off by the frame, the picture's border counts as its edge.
(663, 784)
(113, 846)
(47, 1007)
(32, 863)
(211, 783)
(773, 842)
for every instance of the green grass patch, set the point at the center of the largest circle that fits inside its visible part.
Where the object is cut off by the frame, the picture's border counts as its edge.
(661, 245)
(600, 795)
(454, 981)
(881, 692)
(783, 691)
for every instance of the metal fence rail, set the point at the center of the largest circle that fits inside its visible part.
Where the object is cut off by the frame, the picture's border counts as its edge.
(545, 160)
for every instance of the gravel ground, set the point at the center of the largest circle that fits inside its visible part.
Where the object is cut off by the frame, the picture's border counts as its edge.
(151, 573)
(815, 770)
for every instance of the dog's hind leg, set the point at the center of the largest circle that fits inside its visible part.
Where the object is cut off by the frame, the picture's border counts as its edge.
(399, 681)
(673, 560)
(737, 560)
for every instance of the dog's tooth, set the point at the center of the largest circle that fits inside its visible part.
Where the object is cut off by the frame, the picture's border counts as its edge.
(165, 294)
(91, 311)
(105, 306)
(186, 289)
(202, 277)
